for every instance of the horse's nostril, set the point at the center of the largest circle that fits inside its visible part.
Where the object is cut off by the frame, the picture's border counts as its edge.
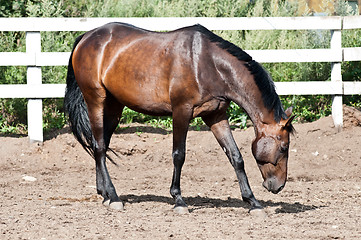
(271, 186)
(280, 188)
(268, 185)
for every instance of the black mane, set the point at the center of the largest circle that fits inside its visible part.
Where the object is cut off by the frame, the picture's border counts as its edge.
(261, 76)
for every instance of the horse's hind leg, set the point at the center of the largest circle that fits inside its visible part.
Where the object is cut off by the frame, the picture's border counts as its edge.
(103, 118)
(220, 128)
(112, 114)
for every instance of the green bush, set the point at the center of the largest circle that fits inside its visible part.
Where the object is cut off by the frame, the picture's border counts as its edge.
(306, 108)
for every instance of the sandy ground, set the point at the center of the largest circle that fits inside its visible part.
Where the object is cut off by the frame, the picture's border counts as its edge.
(48, 191)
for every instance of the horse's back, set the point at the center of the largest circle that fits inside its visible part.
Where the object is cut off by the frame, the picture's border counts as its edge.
(141, 69)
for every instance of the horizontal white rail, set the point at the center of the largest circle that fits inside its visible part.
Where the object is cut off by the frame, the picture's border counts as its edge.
(262, 56)
(34, 59)
(296, 55)
(351, 88)
(171, 23)
(17, 59)
(32, 91)
(40, 91)
(351, 22)
(352, 54)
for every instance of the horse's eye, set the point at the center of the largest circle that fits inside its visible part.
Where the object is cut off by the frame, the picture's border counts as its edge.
(283, 149)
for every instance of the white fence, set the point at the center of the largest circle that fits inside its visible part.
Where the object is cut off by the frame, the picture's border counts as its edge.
(34, 59)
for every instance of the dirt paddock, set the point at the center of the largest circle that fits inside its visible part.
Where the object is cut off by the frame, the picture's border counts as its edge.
(48, 191)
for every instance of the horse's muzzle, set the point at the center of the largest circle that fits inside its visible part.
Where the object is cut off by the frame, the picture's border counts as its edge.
(273, 185)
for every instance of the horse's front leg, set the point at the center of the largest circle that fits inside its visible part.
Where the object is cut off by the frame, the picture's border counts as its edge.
(180, 127)
(220, 128)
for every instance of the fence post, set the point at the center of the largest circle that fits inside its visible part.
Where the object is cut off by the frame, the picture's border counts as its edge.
(336, 76)
(35, 106)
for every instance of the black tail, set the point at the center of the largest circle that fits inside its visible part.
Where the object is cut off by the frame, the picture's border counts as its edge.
(77, 110)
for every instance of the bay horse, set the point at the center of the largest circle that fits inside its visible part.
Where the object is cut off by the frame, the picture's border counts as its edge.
(187, 73)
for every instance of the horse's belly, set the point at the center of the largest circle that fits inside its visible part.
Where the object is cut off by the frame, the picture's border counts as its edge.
(155, 109)
(146, 101)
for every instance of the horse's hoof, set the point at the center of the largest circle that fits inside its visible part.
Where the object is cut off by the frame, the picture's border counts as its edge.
(181, 210)
(106, 203)
(116, 206)
(258, 212)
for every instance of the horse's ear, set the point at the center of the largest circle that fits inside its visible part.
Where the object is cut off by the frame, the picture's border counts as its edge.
(289, 111)
(289, 120)
(288, 125)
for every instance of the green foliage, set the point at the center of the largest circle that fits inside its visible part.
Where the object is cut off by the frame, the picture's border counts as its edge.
(237, 116)
(351, 71)
(161, 122)
(306, 108)
(13, 116)
(54, 118)
(130, 116)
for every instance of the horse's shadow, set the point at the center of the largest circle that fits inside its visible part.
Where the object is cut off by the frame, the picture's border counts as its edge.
(196, 203)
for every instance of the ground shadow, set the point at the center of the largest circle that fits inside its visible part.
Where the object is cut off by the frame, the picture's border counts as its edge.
(13, 135)
(198, 202)
(48, 135)
(141, 129)
(290, 207)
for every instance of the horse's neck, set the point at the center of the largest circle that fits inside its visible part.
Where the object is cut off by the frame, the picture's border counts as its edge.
(247, 95)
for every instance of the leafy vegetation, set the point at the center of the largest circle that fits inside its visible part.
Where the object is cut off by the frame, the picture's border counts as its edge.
(307, 108)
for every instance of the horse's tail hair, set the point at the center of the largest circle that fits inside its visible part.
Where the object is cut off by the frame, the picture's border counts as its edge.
(77, 110)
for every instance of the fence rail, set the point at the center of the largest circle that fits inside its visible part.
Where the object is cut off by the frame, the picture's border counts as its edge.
(34, 59)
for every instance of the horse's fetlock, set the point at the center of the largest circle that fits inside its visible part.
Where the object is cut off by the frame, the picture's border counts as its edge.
(175, 192)
(99, 149)
(100, 192)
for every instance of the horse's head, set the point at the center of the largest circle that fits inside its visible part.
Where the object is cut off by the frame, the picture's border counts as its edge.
(270, 148)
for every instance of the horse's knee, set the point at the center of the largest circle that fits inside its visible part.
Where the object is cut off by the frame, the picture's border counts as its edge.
(238, 162)
(178, 157)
